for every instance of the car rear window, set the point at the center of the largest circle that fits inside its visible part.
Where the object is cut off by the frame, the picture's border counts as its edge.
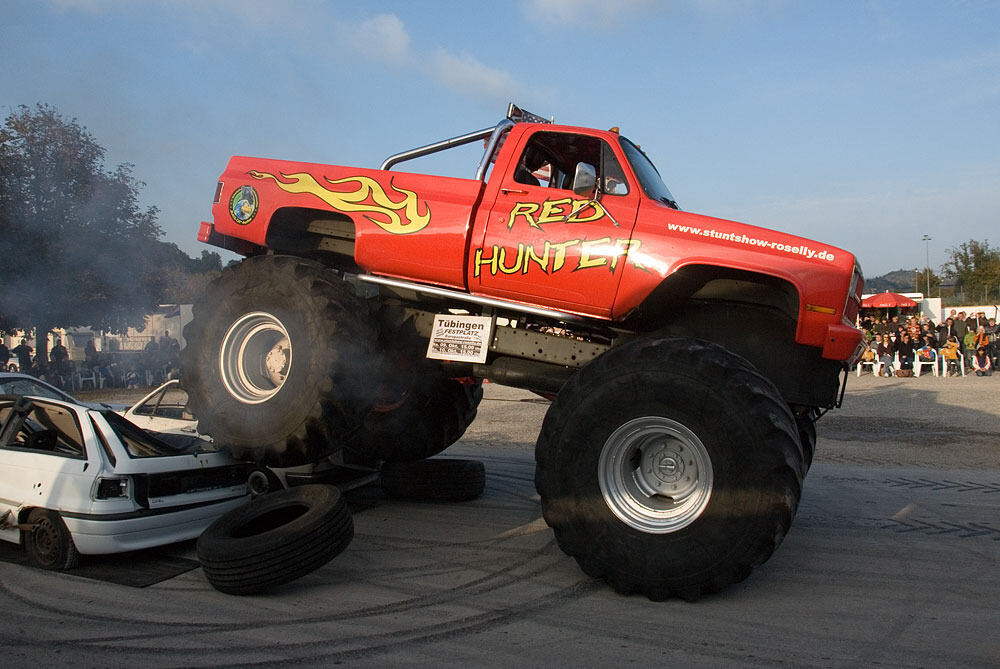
(141, 444)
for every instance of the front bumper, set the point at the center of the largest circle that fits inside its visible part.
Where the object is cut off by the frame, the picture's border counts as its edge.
(843, 342)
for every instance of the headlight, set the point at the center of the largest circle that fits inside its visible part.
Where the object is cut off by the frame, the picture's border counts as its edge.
(112, 488)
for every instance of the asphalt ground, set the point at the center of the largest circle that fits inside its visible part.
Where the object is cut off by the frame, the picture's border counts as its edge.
(892, 562)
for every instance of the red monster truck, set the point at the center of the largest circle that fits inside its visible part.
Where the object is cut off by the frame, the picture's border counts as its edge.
(687, 356)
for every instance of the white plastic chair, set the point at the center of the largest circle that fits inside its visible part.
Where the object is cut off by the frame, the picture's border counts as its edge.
(920, 364)
(874, 364)
(82, 378)
(944, 365)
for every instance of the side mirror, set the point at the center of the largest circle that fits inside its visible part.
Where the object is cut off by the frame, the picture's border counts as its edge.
(585, 179)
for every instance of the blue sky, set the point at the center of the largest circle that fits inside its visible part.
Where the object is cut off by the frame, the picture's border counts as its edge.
(862, 124)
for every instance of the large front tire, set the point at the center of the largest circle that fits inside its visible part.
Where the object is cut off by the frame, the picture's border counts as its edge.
(275, 360)
(669, 467)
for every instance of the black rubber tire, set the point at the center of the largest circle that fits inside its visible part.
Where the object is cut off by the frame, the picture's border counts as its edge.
(275, 539)
(419, 411)
(434, 480)
(735, 421)
(806, 424)
(49, 544)
(323, 395)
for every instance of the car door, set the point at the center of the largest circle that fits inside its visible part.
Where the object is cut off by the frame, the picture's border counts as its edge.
(43, 459)
(164, 410)
(545, 244)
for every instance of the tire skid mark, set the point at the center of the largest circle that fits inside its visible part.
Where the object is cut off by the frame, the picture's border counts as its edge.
(469, 625)
(943, 485)
(959, 530)
(511, 574)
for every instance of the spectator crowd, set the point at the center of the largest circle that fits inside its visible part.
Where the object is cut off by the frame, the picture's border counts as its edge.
(960, 342)
(157, 362)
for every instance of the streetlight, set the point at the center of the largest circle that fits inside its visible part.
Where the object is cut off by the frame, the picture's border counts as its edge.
(927, 244)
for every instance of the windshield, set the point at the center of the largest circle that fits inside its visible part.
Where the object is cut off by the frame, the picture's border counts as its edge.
(21, 385)
(141, 444)
(649, 178)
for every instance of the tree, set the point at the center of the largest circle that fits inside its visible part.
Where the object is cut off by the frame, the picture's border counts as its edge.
(974, 266)
(75, 243)
(920, 281)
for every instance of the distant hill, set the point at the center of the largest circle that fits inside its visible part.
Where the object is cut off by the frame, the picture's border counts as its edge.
(897, 281)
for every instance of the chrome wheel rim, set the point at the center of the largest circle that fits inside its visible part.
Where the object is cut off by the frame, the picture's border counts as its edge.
(655, 475)
(255, 357)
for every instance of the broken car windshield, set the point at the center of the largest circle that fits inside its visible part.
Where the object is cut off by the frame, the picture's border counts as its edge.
(141, 444)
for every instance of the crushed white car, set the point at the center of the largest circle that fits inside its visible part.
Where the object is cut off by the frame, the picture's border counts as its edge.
(164, 413)
(76, 480)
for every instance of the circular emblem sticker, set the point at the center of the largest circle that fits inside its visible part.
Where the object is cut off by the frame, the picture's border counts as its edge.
(243, 204)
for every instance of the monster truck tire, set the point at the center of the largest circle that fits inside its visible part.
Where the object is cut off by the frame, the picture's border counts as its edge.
(420, 411)
(434, 480)
(275, 539)
(273, 360)
(669, 467)
(806, 423)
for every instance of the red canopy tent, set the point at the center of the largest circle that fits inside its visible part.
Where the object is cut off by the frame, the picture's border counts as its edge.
(887, 301)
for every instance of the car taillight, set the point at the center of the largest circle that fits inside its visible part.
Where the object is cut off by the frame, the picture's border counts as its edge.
(112, 488)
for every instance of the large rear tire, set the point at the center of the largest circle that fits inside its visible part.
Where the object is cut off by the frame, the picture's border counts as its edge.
(418, 411)
(669, 467)
(275, 361)
(431, 414)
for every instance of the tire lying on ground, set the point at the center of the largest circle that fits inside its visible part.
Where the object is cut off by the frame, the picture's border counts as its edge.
(434, 480)
(275, 539)
(669, 467)
(275, 362)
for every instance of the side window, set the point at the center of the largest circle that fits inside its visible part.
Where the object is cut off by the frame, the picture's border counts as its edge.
(45, 429)
(612, 173)
(534, 168)
(549, 160)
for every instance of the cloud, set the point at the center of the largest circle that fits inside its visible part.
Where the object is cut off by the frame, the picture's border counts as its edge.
(315, 30)
(595, 12)
(465, 74)
(383, 36)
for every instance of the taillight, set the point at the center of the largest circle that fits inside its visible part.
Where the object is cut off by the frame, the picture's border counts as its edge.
(112, 488)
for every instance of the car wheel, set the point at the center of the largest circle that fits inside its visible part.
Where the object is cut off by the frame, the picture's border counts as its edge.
(48, 543)
(275, 539)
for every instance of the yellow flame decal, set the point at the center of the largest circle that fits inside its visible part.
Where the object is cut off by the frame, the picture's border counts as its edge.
(369, 189)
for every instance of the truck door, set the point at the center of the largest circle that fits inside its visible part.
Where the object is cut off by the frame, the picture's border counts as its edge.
(546, 245)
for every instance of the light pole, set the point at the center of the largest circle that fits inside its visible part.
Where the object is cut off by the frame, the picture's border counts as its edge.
(927, 267)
